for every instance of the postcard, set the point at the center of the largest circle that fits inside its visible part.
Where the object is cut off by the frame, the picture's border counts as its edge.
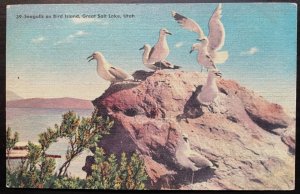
(180, 96)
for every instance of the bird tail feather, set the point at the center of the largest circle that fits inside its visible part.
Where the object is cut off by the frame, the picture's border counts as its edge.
(171, 66)
(176, 67)
(220, 57)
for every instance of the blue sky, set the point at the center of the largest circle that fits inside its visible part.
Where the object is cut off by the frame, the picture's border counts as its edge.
(47, 57)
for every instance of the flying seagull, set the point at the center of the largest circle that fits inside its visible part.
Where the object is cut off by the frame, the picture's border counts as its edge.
(209, 91)
(188, 158)
(161, 50)
(107, 71)
(158, 65)
(216, 37)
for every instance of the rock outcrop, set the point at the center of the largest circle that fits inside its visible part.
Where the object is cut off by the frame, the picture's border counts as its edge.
(250, 141)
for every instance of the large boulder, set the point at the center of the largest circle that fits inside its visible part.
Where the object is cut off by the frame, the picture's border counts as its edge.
(249, 140)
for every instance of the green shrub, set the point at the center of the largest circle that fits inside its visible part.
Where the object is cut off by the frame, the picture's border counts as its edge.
(10, 142)
(108, 173)
(68, 183)
(37, 170)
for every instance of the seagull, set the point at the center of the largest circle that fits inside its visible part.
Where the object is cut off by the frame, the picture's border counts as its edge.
(161, 50)
(158, 65)
(216, 37)
(209, 91)
(203, 58)
(107, 71)
(188, 158)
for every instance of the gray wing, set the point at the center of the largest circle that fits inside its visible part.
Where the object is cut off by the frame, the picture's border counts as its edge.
(216, 35)
(188, 24)
(200, 161)
(165, 65)
(151, 52)
(211, 61)
(118, 73)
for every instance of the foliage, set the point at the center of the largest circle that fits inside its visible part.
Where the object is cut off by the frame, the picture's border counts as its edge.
(10, 142)
(68, 183)
(108, 173)
(37, 170)
(81, 134)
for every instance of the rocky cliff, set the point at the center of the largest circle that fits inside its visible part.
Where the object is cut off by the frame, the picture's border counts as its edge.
(250, 141)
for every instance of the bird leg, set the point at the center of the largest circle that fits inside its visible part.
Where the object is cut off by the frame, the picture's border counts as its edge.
(212, 107)
(192, 177)
(186, 120)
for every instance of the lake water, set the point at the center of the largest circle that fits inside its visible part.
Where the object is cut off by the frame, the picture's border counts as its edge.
(29, 122)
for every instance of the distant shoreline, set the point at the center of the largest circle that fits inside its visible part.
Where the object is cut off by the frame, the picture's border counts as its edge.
(51, 103)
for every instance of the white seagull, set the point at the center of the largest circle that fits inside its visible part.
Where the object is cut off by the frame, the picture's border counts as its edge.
(158, 65)
(107, 71)
(209, 91)
(203, 57)
(216, 37)
(161, 50)
(188, 158)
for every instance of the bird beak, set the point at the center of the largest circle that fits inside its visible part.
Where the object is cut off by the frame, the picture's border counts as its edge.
(191, 51)
(142, 48)
(198, 39)
(90, 58)
(169, 33)
(219, 74)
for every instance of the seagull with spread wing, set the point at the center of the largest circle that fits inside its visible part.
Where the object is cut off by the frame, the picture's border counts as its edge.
(107, 71)
(213, 43)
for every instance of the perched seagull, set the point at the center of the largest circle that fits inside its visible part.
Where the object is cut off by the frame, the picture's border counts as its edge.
(188, 158)
(203, 58)
(209, 91)
(107, 71)
(216, 37)
(158, 65)
(161, 50)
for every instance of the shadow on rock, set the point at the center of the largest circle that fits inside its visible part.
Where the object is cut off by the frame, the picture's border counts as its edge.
(141, 75)
(89, 161)
(185, 176)
(192, 108)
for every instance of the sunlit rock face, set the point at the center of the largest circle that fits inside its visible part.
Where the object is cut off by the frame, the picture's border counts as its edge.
(250, 141)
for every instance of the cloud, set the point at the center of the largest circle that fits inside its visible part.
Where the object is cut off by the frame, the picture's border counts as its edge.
(80, 33)
(251, 51)
(71, 37)
(38, 40)
(178, 44)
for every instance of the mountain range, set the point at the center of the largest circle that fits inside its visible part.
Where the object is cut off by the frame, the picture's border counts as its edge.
(54, 103)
